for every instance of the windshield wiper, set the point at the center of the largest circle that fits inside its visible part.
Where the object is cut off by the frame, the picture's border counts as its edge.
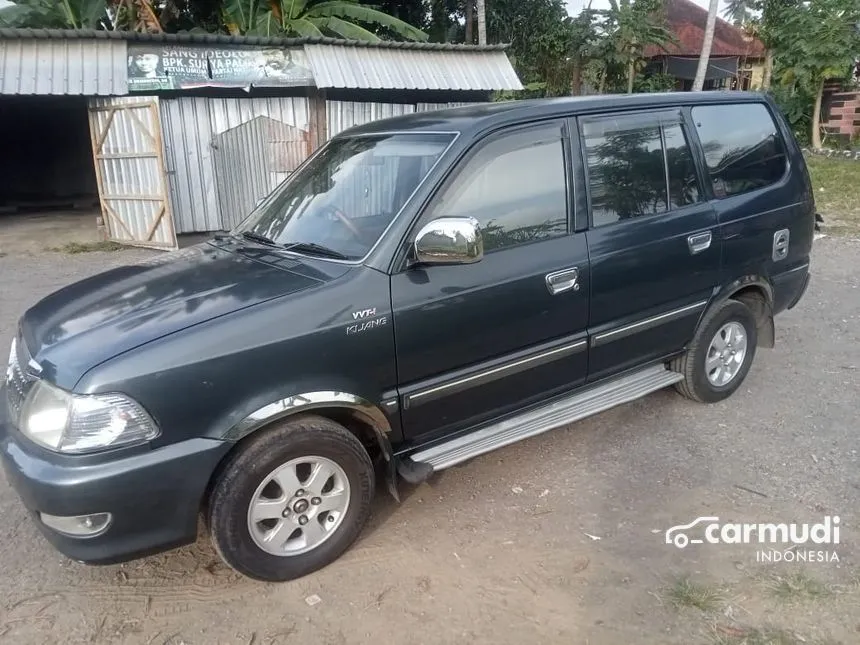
(256, 237)
(315, 249)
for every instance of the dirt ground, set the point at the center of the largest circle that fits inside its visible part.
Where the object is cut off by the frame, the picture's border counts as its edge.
(558, 539)
(34, 232)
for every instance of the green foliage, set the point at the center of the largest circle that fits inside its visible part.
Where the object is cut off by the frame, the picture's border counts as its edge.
(815, 41)
(340, 18)
(739, 12)
(797, 107)
(539, 35)
(54, 14)
(659, 82)
(627, 27)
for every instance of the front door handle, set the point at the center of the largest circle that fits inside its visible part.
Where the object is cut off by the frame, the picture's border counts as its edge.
(699, 242)
(564, 280)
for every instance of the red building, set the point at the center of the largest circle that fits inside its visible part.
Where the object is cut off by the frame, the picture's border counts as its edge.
(736, 61)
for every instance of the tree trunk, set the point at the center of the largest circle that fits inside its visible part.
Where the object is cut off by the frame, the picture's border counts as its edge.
(576, 77)
(707, 43)
(767, 72)
(631, 72)
(482, 22)
(470, 21)
(602, 85)
(816, 117)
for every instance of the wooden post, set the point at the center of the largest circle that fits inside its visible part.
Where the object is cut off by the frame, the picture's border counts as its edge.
(317, 117)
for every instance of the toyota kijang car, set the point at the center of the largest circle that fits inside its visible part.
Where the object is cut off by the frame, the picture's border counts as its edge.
(423, 290)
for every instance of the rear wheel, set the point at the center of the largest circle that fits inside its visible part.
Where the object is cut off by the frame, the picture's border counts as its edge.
(291, 500)
(720, 355)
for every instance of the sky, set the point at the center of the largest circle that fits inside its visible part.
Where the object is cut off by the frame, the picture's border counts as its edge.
(574, 6)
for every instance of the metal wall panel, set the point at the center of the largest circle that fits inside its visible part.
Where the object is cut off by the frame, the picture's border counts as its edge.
(410, 69)
(63, 67)
(190, 127)
(342, 115)
(188, 156)
(426, 107)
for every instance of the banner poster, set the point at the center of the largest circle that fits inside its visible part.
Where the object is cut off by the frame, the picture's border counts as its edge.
(154, 66)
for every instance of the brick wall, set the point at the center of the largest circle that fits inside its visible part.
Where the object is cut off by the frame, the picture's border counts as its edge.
(841, 111)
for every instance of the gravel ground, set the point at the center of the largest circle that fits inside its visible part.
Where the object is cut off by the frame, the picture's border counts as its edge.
(556, 539)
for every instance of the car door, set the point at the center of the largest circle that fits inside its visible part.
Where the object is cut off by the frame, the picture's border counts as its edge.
(476, 341)
(652, 238)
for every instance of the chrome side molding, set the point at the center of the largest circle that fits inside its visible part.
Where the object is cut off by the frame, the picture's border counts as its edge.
(291, 405)
(487, 376)
(642, 325)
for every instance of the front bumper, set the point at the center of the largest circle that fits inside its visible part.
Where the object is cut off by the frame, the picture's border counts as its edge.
(154, 496)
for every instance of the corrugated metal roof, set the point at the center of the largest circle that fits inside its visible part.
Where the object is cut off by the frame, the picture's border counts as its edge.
(84, 67)
(225, 39)
(408, 69)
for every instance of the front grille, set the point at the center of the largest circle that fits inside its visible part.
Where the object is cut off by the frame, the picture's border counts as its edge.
(18, 380)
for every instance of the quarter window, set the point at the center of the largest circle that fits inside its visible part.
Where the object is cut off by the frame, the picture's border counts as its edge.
(514, 186)
(638, 165)
(743, 148)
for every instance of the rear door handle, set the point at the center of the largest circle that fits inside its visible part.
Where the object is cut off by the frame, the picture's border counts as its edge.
(699, 242)
(564, 280)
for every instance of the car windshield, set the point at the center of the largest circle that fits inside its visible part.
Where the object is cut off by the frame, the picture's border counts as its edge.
(340, 203)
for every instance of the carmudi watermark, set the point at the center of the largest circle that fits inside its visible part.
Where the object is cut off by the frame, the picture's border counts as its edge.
(784, 542)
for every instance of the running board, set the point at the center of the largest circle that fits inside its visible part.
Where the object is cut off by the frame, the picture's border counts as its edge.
(537, 421)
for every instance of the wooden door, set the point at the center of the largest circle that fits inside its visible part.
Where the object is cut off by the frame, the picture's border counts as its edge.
(129, 161)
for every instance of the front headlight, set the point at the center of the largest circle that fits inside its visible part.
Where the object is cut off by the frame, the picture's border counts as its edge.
(78, 423)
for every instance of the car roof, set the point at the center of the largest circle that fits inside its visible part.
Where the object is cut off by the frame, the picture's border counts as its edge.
(481, 116)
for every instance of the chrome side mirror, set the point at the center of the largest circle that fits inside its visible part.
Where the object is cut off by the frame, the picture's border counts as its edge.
(449, 240)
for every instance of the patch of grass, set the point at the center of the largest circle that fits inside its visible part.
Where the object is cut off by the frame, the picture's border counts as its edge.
(686, 593)
(723, 635)
(836, 183)
(88, 247)
(796, 586)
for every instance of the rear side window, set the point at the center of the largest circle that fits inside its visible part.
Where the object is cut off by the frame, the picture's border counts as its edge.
(638, 165)
(743, 148)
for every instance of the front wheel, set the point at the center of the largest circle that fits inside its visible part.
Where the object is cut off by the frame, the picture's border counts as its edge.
(291, 500)
(720, 355)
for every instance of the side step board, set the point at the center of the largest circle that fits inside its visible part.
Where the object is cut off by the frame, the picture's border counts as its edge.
(537, 421)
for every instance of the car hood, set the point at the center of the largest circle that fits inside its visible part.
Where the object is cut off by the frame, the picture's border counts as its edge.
(88, 322)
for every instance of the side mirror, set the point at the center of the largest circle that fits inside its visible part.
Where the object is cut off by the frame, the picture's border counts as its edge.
(449, 240)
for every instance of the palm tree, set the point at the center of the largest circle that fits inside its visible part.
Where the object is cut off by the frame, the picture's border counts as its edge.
(739, 12)
(482, 22)
(311, 18)
(707, 43)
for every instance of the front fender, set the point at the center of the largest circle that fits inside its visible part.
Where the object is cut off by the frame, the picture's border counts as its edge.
(361, 408)
(291, 405)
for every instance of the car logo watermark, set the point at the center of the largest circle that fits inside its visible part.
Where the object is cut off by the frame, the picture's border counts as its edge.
(791, 537)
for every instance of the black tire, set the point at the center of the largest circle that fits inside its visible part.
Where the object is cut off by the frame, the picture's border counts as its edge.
(253, 463)
(696, 385)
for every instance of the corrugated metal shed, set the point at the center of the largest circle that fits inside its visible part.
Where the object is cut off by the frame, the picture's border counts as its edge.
(409, 69)
(190, 126)
(48, 61)
(71, 66)
(342, 115)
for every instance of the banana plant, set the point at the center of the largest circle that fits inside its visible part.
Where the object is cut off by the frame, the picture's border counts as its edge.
(54, 14)
(135, 15)
(312, 18)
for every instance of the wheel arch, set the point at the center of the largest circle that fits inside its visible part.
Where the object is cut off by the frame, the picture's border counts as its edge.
(358, 415)
(755, 292)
